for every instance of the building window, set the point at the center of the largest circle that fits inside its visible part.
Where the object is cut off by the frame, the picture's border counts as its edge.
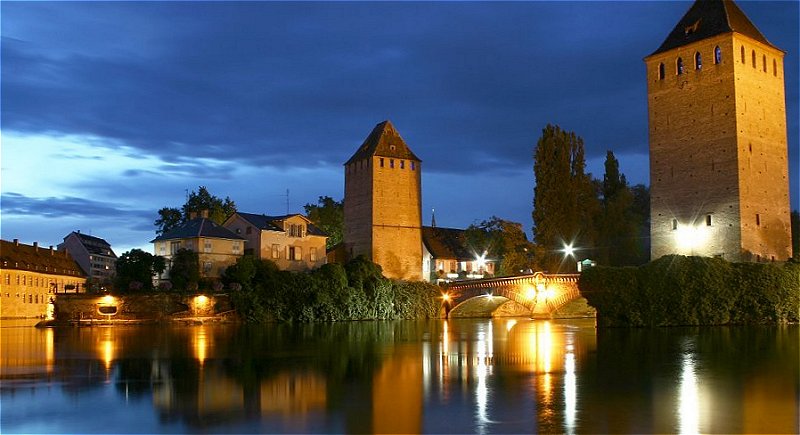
(413, 166)
(708, 220)
(661, 71)
(237, 246)
(162, 249)
(403, 162)
(754, 58)
(698, 61)
(24, 279)
(17, 279)
(758, 220)
(207, 267)
(295, 253)
(207, 246)
(743, 61)
(381, 162)
(174, 247)
(276, 253)
(775, 67)
(717, 55)
(8, 279)
(674, 224)
(679, 66)
(312, 254)
(391, 163)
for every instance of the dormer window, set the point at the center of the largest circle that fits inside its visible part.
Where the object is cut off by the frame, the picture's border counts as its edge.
(688, 30)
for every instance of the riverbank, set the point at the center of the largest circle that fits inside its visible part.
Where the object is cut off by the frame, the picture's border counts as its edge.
(693, 291)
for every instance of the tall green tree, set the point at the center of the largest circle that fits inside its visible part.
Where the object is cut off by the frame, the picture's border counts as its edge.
(565, 203)
(137, 266)
(184, 271)
(505, 242)
(328, 215)
(199, 201)
(617, 224)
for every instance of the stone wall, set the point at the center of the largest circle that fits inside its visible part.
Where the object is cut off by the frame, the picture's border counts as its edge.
(718, 151)
(156, 306)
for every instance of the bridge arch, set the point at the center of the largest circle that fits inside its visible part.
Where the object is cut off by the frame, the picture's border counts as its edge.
(537, 294)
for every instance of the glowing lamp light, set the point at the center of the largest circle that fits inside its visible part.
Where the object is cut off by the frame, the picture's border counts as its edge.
(569, 250)
(688, 237)
(446, 297)
(530, 292)
(540, 287)
(201, 300)
(108, 300)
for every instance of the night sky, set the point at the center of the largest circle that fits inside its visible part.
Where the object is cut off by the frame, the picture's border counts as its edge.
(111, 111)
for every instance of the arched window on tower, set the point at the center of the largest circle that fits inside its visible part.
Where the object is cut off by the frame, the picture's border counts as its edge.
(764, 62)
(754, 58)
(698, 61)
(661, 71)
(717, 55)
(775, 67)
(679, 66)
(743, 54)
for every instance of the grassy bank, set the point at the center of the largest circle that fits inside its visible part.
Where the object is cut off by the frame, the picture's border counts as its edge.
(678, 290)
(334, 292)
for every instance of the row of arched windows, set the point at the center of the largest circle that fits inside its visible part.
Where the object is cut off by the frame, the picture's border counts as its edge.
(753, 61)
(698, 63)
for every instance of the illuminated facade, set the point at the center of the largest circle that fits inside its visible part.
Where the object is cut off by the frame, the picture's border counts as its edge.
(382, 205)
(216, 247)
(718, 145)
(292, 242)
(446, 256)
(94, 255)
(32, 275)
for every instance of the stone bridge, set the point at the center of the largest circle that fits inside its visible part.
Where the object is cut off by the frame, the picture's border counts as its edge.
(535, 295)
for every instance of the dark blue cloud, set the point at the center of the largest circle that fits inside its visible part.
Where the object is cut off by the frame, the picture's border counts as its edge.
(15, 204)
(302, 84)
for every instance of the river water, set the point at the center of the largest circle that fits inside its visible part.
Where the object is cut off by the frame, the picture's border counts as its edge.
(457, 376)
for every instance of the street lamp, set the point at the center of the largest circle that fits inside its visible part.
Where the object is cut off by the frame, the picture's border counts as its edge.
(569, 250)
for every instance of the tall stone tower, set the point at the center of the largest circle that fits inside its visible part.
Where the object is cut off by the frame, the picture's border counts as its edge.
(718, 149)
(382, 205)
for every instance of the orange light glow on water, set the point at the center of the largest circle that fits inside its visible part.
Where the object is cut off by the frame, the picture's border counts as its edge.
(200, 344)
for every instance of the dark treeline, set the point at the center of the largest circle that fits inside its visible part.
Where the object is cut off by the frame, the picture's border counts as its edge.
(677, 290)
(261, 292)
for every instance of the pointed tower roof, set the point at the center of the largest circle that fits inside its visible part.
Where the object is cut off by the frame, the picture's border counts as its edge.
(384, 141)
(707, 18)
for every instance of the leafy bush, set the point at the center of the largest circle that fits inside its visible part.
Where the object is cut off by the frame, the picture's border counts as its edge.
(678, 290)
(355, 291)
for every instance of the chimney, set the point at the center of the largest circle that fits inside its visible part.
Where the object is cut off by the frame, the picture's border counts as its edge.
(51, 249)
(36, 246)
(16, 242)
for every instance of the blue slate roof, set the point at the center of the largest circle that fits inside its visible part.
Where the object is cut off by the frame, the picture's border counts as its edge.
(199, 227)
(707, 18)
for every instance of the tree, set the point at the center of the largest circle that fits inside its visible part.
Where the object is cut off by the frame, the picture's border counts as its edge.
(565, 203)
(184, 272)
(328, 215)
(138, 266)
(617, 224)
(504, 241)
(202, 200)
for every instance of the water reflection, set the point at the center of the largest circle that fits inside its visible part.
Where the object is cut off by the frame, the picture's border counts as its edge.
(485, 376)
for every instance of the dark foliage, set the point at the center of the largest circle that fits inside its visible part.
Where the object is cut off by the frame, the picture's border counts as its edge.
(355, 291)
(137, 267)
(678, 290)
